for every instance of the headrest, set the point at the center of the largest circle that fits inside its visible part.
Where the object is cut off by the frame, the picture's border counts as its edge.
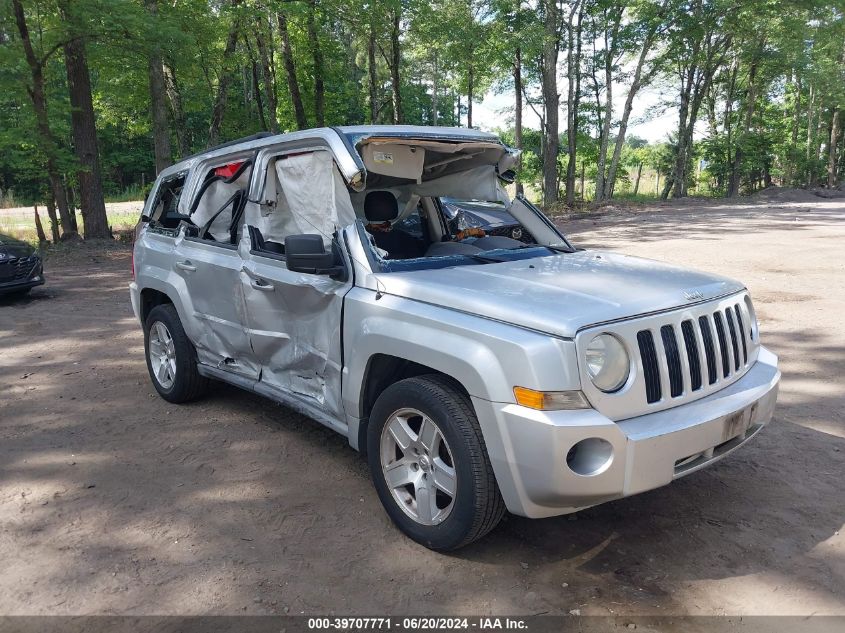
(380, 206)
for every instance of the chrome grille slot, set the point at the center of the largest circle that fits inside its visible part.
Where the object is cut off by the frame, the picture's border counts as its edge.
(679, 356)
(734, 344)
(673, 360)
(651, 371)
(691, 345)
(723, 344)
(741, 334)
(709, 351)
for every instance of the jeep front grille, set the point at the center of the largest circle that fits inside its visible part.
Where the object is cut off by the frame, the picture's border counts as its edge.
(677, 356)
(685, 359)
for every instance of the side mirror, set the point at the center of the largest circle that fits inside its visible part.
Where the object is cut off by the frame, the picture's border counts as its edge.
(306, 254)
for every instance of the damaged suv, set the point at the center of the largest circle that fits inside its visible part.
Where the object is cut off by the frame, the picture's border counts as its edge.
(477, 372)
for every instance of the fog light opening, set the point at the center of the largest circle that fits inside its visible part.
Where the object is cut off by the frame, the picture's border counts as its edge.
(590, 457)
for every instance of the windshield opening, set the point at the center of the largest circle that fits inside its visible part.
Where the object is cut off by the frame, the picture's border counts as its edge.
(429, 232)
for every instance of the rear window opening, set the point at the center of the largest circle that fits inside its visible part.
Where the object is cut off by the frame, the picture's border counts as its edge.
(165, 207)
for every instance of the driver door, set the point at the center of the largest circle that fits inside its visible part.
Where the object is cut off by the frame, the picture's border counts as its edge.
(294, 326)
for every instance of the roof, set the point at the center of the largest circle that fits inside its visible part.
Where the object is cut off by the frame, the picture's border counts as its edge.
(417, 131)
(350, 134)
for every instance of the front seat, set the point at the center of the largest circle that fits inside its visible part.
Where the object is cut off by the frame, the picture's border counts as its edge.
(381, 207)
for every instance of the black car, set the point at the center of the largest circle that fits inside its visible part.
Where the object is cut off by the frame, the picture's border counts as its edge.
(20, 266)
(493, 217)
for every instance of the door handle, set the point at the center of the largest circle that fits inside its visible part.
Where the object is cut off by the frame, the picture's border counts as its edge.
(186, 265)
(260, 284)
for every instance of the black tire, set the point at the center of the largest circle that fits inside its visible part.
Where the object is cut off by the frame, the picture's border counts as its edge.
(187, 385)
(478, 505)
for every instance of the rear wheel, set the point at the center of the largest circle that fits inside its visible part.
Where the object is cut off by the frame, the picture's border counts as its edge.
(171, 357)
(429, 463)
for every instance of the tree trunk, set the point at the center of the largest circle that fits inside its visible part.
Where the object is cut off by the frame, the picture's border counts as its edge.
(810, 137)
(257, 91)
(667, 187)
(610, 45)
(158, 100)
(39, 229)
(267, 75)
(94, 219)
(219, 107)
(317, 57)
(637, 181)
(290, 72)
(636, 84)
(679, 172)
(371, 70)
(517, 124)
(177, 112)
(158, 106)
(573, 66)
(583, 179)
(789, 176)
(551, 102)
(395, 60)
(750, 101)
(54, 221)
(71, 207)
(48, 143)
(435, 87)
(470, 87)
(832, 146)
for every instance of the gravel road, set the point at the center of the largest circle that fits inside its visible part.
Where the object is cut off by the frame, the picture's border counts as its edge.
(113, 501)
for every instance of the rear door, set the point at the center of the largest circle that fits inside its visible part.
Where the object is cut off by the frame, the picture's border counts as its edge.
(210, 266)
(211, 272)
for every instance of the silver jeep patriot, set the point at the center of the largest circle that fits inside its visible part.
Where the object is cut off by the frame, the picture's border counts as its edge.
(479, 373)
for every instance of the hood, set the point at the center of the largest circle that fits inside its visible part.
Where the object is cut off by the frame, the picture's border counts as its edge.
(563, 293)
(10, 248)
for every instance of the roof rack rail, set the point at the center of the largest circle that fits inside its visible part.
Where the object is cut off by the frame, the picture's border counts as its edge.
(237, 141)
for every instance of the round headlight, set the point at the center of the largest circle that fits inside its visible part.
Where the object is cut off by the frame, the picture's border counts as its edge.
(607, 363)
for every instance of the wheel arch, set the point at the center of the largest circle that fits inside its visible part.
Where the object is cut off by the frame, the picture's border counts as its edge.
(150, 298)
(383, 370)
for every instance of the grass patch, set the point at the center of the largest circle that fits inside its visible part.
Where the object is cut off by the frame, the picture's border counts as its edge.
(21, 225)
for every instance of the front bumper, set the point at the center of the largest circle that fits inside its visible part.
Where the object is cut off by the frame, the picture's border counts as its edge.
(135, 298)
(18, 285)
(528, 448)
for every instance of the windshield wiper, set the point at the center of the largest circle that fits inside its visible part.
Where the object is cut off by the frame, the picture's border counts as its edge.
(485, 258)
(559, 248)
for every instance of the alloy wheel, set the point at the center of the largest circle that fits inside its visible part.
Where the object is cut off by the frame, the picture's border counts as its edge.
(162, 355)
(418, 466)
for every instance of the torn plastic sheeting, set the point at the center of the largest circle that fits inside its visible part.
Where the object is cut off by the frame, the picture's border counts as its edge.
(311, 198)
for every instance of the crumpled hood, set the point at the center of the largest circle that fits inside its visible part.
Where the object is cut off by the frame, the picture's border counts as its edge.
(11, 248)
(563, 293)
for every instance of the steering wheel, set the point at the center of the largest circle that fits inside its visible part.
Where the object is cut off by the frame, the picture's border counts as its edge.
(474, 231)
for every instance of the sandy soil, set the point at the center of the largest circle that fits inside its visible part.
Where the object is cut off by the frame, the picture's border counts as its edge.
(114, 502)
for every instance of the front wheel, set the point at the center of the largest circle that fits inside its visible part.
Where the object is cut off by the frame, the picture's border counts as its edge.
(429, 463)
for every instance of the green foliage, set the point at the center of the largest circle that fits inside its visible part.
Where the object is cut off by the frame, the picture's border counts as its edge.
(769, 91)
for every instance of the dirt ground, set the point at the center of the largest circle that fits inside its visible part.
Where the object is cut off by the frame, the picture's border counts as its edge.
(113, 501)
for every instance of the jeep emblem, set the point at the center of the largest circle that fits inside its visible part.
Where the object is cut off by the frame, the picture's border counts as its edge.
(693, 295)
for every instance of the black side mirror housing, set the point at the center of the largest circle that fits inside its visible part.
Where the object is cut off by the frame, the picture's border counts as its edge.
(306, 254)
